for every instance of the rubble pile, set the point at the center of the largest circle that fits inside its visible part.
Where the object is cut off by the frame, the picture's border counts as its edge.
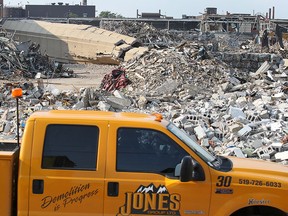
(25, 60)
(147, 34)
(174, 68)
(226, 110)
(229, 111)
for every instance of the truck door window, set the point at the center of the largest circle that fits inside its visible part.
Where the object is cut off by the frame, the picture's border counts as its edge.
(146, 150)
(70, 147)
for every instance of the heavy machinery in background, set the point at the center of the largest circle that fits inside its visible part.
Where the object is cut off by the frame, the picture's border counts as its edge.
(281, 33)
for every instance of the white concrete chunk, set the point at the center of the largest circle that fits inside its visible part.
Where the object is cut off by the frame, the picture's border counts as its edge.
(282, 155)
(200, 133)
(236, 112)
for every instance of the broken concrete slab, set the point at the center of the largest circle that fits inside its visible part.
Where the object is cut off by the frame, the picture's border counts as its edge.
(75, 43)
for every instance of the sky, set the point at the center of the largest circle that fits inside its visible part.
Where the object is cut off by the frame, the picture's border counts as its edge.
(174, 8)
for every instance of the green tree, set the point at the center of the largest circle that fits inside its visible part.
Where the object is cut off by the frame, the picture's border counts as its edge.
(109, 14)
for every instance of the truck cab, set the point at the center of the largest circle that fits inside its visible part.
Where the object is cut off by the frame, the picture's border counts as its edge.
(107, 163)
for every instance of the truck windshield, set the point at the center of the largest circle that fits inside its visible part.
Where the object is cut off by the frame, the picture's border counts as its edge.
(201, 152)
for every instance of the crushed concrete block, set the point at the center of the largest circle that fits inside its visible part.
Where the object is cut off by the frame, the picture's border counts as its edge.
(205, 142)
(2, 126)
(7, 127)
(34, 101)
(219, 134)
(248, 151)
(167, 88)
(142, 102)
(5, 115)
(119, 94)
(37, 94)
(275, 126)
(216, 124)
(118, 103)
(200, 133)
(265, 156)
(282, 107)
(258, 102)
(209, 133)
(215, 141)
(277, 146)
(241, 94)
(78, 105)
(226, 117)
(241, 101)
(234, 81)
(263, 68)
(189, 127)
(285, 147)
(265, 151)
(264, 114)
(220, 103)
(103, 106)
(285, 116)
(45, 103)
(236, 112)
(181, 120)
(193, 117)
(282, 155)
(278, 96)
(54, 91)
(253, 116)
(238, 153)
(218, 149)
(225, 86)
(256, 144)
(234, 128)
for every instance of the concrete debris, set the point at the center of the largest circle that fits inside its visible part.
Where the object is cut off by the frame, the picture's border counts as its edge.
(75, 43)
(25, 60)
(235, 111)
(147, 34)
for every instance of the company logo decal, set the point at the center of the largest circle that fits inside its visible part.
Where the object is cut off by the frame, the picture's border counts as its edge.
(252, 201)
(151, 200)
(75, 195)
(224, 191)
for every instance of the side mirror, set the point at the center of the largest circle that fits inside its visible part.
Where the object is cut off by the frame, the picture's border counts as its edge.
(189, 170)
(186, 169)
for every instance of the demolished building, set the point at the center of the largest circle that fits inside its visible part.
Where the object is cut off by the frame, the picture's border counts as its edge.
(240, 111)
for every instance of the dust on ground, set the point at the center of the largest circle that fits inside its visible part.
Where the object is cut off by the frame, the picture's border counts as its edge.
(86, 75)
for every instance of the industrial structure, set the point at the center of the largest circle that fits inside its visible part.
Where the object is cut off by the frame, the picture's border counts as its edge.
(60, 10)
(209, 21)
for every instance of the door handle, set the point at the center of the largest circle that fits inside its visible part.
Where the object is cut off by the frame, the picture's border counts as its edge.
(38, 186)
(113, 189)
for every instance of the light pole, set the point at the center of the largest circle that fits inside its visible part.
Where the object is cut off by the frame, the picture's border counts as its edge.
(17, 93)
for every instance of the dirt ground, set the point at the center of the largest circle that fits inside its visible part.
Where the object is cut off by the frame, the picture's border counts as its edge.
(87, 75)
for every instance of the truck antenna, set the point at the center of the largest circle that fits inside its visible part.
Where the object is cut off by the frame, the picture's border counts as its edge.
(17, 93)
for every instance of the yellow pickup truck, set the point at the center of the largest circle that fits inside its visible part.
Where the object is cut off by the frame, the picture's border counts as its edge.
(82, 163)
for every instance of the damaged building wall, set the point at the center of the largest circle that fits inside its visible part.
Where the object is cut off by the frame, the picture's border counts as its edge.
(75, 43)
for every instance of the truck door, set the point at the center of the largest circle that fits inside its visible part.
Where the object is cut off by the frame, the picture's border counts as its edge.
(67, 169)
(140, 176)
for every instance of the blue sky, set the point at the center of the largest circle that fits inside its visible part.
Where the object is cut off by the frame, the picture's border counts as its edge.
(175, 8)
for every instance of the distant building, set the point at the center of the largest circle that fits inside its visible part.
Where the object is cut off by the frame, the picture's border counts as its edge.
(18, 12)
(60, 10)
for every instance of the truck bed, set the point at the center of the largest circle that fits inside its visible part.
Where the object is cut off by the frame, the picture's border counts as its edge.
(9, 153)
